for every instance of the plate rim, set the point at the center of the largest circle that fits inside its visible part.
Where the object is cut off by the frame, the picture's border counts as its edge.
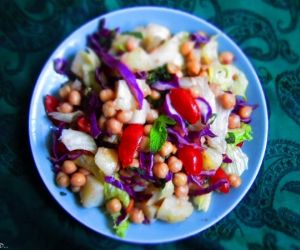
(248, 65)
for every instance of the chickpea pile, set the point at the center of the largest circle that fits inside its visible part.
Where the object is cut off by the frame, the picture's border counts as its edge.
(71, 176)
(114, 121)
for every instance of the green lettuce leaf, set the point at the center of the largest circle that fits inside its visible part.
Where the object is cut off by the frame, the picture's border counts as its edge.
(238, 135)
(111, 191)
(122, 228)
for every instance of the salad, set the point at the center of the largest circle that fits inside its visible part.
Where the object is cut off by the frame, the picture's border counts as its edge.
(149, 124)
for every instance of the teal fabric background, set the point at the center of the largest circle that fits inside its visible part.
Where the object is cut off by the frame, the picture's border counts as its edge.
(268, 31)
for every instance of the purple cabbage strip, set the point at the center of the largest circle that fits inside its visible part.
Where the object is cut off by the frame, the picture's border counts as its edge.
(93, 103)
(160, 85)
(95, 130)
(172, 113)
(146, 161)
(208, 173)
(226, 159)
(198, 39)
(101, 78)
(61, 66)
(113, 181)
(209, 189)
(194, 179)
(123, 70)
(121, 217)
(178, 139)
(141, 75)
(67, 156)
(205, 108)
(169, 176)
(203, 132)
(240, 102)
(56, 136)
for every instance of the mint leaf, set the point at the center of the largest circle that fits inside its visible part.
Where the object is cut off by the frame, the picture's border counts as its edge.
(158, 132)
(166, 120)
(159, 74)
(134, 33)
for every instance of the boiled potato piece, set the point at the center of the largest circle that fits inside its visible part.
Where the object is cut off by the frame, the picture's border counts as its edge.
(212, 159)
(107, 160)
(88, 162)
(91, 194)
(174, 210)
(202, 202)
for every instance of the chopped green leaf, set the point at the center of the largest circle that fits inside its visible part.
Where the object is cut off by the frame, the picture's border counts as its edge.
(159, 74)
(230, 138)
(238, 135)
(122, 228)
(111, 191)
(134, 33)
(166, 120)
(158, 132)
(158, 136)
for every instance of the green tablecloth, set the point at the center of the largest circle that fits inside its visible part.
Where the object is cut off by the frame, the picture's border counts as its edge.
(268, 31)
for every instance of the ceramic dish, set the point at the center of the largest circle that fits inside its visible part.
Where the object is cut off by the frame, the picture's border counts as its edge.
(158, 232)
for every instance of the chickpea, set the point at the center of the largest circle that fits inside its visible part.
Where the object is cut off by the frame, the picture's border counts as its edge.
(166, 149)
(158, 158)
(235, 77)
(84, 171)
(174, 151)
(69, 167)
(203, 73)
(245, 112)
(172, 68)
(106, 95)
(65, 107)
(74, 98)
(227, 100)
(113, 126)
(64, 91)
(113, 206)
(186, 47)
(226, 57)
(78, 179)
(234, 121)
(147, 129)
(131, 44)
(175, 165)
(62, 179)
(75, 189)
(193, 68)
(191, 56)
(155, 95)
(109, 109)
(180, 179)
(137, 216)
(181, 191)
(101, 122)
(144, 146)
(160, 170)
(234, 180)
(205, 60)
(152, 116)
(124, 116)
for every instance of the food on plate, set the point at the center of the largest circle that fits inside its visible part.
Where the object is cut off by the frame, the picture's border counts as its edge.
(149, 124)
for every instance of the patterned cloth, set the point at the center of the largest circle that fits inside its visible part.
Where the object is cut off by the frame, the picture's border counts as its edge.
(268, 31)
